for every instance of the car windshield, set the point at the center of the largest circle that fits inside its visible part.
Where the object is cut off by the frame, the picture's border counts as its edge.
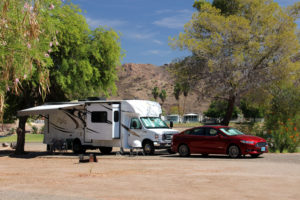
(231, 131)
(153, 122)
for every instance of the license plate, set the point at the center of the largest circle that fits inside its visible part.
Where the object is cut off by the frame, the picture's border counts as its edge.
(263, 149)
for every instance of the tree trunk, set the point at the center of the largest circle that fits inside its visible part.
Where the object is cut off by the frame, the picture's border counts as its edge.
(184, 104)
(229, 111)
(21, 135)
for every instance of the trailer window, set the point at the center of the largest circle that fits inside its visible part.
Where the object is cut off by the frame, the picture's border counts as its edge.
(116, 116)
(99, 117)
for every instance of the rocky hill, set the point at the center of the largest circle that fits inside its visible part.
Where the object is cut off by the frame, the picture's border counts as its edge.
(136, 81)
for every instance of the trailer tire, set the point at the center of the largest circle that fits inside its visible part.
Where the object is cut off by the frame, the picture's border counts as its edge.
(105, 150)
(77, 147)
(148, 147)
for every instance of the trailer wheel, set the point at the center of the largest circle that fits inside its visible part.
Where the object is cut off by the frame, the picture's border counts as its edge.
(77, 147)
(105, 150)
(148, 148)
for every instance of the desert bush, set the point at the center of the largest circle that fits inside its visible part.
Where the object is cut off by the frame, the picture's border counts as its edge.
(34, 130)
(286, 137)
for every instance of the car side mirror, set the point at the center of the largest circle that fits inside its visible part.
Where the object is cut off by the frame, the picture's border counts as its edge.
(171, 124)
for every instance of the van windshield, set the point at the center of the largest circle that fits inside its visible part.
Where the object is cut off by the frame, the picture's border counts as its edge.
(153, 122)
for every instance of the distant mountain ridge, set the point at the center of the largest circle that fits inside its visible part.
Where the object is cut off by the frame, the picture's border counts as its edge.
(136, 81)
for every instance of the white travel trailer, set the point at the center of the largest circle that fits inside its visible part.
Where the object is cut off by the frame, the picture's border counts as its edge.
(191, 117)
(105, 124)
(173, 118)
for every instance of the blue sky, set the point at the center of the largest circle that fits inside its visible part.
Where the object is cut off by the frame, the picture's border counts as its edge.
(145, 25)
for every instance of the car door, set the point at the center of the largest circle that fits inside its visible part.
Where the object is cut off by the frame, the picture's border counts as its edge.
(214, 142)
(196, 138)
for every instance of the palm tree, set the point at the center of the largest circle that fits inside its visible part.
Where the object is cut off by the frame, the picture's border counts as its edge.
(163, 96)
(185, 87)
(177, 91)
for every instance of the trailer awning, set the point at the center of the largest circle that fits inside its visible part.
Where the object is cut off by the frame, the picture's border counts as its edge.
(45, 109)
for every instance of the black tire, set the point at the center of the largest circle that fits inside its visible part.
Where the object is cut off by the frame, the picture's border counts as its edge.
(170, 151)
(105, 150)
(234, 151)
(77, 147)
(148, 148)
(255, 155)
(184, 150)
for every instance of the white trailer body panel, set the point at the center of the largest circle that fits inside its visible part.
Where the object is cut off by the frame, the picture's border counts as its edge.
(99, 122)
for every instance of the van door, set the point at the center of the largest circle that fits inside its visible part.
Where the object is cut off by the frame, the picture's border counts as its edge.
(99, 122)
(135, 132)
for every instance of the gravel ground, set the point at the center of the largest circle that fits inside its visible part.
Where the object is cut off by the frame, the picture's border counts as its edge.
(60, 176)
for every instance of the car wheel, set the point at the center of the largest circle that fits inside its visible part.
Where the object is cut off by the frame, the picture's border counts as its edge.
(234, 151)
(148, 148)
(255, 155)
(183, 150)
(77, 147)
(105, 150)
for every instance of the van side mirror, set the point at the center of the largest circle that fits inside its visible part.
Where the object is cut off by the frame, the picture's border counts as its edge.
(171, 124)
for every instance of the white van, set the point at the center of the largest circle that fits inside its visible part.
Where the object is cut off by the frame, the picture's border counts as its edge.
(105, 124)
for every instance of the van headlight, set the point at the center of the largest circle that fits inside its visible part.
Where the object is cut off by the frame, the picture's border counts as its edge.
(247, 142)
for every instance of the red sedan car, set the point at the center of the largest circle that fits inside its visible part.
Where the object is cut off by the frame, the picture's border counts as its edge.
(218, 140)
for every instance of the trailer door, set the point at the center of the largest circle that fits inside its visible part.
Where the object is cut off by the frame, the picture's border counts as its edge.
(99, 122)
(116, 121)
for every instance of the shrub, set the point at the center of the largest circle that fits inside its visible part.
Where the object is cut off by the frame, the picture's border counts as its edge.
(286, 137)
(34, 130)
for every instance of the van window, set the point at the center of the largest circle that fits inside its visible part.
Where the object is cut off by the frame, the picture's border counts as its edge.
(138, 123)
(99, 117)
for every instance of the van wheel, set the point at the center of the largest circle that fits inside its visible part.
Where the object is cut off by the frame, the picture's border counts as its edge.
(234, 151)
(184, 150)
(105, 150)
(148, 148)
(77, 147)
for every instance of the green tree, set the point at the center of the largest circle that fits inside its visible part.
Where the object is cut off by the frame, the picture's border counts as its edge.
(177, 92)
(248, 50)
(24, 42)
(85, 61)
(227, 7)
(163, 96)
(27, 29)
(217, 109)
(284, 105)
(155, 92)
(250, 110)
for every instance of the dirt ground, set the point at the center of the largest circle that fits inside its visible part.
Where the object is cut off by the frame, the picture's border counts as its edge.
(60, 176)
